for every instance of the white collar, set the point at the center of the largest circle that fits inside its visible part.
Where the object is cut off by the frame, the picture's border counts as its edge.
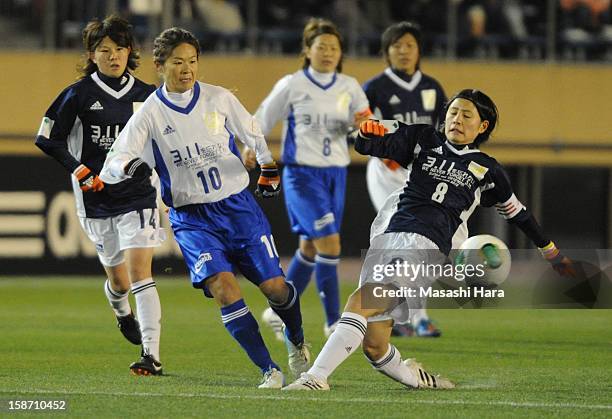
(110, 90)
(416, 79)
(322, 78)
(180, 99)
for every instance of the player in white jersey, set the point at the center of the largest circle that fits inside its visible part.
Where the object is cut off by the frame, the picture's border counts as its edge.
(187, 132)
(121, 220)
(404, 93)
(318, 106)
(450, 176)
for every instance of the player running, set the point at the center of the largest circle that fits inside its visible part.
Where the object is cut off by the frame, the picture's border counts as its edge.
(122, 220)
(402, 92)
(187, 131)
(450, 176)
(318, 106)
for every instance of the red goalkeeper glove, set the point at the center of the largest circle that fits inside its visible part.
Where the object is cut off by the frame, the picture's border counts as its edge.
(88, 180)
(562, 264)
(268, 185)
(372, 128)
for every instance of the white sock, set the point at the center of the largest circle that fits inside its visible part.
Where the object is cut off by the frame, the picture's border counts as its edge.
(417, 315)
(345, 340)
(392, 366)
(148, 308)
(119, 301)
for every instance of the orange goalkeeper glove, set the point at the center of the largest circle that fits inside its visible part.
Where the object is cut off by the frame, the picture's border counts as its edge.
(372, 128)
(88, 180)
(268, 185)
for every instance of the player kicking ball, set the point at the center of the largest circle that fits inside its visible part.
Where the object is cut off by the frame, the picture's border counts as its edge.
(450, 177)
(186, 131)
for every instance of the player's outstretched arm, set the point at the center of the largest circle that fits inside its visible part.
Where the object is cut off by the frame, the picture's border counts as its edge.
(374, 139)
(509, 207)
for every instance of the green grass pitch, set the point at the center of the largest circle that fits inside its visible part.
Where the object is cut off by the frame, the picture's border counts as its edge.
(58, 341)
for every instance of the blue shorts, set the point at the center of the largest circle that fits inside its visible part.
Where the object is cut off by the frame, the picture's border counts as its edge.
(315, 199)
(226, 235)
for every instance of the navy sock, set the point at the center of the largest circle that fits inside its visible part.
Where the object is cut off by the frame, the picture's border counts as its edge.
(291, 315)
(300, 271)
(243, 327)
(326, 272)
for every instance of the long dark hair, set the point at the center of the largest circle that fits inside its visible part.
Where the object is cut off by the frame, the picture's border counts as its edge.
(117, 29)
(315, 27)
(486, 110)
(171, 38)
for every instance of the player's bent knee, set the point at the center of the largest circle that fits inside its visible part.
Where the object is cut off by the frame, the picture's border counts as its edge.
(308, 249)
(374, 350)
(224, 288)
(275, 289)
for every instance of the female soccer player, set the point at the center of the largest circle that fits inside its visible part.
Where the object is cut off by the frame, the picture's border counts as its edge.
(121, 220)
(186, 131)
(318, 105)
(402, 92)
(450, 176)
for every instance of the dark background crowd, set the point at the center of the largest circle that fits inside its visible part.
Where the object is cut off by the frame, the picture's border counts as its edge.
(577, 30)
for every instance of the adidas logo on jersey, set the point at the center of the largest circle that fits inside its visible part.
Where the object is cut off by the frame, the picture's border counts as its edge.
(168, 130)
(97, 106)
(394, 100)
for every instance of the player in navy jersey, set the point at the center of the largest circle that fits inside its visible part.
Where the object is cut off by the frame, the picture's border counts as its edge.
(450, 176)
(122, 220)
(187, 132)
(404, 93)
(318, 106)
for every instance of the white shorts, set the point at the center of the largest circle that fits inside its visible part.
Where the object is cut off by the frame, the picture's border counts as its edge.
(409, 248)
(136, 229)
(383, 181)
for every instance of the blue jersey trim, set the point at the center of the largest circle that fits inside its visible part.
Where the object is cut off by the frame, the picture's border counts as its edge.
(322, 86)
(188, 108)
(232, 143)
(289, 146)
(164, 176)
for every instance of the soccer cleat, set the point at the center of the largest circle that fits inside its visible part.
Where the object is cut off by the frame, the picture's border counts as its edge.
(402, 330)
(425, 379)
(146, 365)
(426, 329)
(328, 330)
(308, 382)
(275, 323)
(299, 357)
(272, 378)
(130, 328)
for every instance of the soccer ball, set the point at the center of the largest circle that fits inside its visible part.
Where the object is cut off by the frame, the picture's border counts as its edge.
(489, 257)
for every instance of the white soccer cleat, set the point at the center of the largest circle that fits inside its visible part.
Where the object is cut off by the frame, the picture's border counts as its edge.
(299, 357)
(272, 378)
(275, 323)
(425, 379)
(308, 382)
(328, 330)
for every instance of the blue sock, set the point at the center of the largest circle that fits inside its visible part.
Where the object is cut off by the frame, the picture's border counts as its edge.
(300, 271)
(243, 327)
(290, 313)
(326, 272)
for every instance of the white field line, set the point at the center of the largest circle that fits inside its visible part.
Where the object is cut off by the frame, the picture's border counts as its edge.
(536, 405)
